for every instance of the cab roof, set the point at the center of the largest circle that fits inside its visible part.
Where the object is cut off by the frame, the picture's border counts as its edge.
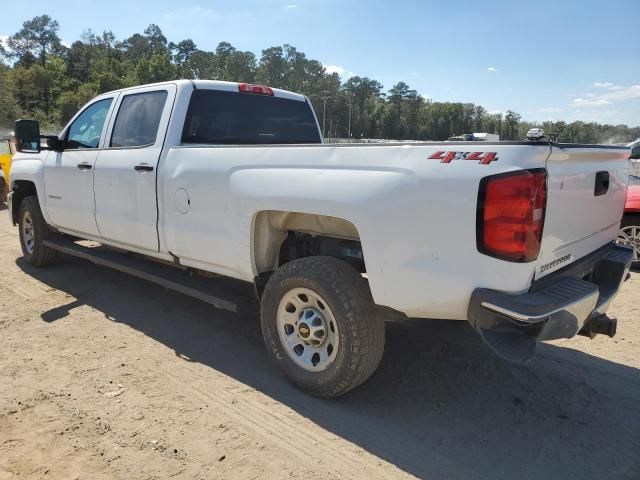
(211, 85)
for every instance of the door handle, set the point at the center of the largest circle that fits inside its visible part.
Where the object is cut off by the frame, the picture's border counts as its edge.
(602, 184)
(85, 166)
(143, 167)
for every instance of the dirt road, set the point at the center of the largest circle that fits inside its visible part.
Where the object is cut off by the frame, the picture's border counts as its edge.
(103, 376)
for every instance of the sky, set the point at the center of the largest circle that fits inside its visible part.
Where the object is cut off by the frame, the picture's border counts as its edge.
(545, 59)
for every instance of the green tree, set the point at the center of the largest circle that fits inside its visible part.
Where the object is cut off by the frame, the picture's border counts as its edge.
(47, 81)
(8, 106)
(510, 126)
(37, 39)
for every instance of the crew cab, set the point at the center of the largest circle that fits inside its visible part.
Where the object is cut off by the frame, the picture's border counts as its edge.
(516, 238)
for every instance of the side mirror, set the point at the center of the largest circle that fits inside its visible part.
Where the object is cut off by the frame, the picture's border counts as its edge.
(27, 134)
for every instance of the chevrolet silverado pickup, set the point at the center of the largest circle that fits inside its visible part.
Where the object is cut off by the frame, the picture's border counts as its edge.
(209, 177)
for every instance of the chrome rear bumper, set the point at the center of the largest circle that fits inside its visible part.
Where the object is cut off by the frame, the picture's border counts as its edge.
(558, 306)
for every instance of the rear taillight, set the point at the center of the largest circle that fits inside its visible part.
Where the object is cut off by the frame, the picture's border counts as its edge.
(511, 215)
(257, 89)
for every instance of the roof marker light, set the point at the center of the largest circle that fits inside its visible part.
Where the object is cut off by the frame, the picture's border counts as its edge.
(255, 89)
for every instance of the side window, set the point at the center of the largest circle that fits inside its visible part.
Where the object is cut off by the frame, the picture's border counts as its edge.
(138, 119)
(85, 131)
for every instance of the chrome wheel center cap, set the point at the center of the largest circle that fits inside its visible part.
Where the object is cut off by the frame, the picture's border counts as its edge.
(303, 330)
(308, 329)
(311, 327)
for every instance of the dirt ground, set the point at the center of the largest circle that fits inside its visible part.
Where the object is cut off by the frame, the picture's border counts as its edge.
(103, 376)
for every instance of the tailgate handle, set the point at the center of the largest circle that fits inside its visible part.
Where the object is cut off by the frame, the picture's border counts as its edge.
(602, 184)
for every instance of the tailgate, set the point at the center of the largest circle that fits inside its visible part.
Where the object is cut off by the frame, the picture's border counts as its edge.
(585, 200)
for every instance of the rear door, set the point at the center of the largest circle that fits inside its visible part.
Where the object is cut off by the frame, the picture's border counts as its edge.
(586, 194)
(126, 169)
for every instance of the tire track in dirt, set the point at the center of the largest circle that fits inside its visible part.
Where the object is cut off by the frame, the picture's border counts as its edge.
(249, 411)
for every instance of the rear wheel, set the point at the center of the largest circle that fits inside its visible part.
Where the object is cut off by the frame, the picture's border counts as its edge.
(320, 325)
(33, 232)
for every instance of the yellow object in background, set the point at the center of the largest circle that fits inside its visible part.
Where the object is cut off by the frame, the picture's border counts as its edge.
(6, 153)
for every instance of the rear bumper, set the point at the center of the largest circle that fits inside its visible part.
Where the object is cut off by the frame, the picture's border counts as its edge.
(558, 306)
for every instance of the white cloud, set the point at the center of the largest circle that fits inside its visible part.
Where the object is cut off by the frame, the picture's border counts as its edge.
(603, 84)
(549, 110)
(291, 6)
(619, 92)
(492, 69)
(613, 93)
(3, 39)
(590, 102)
(334, 69)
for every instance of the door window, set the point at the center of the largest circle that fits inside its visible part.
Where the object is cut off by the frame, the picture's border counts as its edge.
(138, 119)
(85, 131)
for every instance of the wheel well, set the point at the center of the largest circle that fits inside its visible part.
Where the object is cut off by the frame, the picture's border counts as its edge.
(21, 189)
(280, 237)
(630, 218)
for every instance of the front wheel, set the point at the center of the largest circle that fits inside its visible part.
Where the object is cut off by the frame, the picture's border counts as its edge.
(320, 325)
(33, 232)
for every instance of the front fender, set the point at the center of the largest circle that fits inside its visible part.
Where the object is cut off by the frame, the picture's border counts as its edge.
(30, 168)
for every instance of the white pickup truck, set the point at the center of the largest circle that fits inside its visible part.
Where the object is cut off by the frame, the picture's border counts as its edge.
(202, 177)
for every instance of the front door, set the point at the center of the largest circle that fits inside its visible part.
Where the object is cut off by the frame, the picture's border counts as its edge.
(126, 169)
(68, 175)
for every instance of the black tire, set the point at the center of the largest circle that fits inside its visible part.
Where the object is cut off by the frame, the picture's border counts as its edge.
(35, 253)
(360, 329)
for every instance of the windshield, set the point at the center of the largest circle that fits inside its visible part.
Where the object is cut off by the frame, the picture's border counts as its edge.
(231, 118)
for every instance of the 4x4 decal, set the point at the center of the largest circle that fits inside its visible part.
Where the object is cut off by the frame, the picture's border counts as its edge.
(483, 158)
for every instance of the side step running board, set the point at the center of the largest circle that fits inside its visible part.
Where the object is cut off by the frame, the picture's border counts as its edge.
(221, 292)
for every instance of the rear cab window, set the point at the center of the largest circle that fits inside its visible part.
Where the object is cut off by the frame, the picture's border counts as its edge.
(217, 117)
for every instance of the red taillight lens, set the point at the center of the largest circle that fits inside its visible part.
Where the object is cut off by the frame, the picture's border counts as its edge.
(257, 89)
(511, 215)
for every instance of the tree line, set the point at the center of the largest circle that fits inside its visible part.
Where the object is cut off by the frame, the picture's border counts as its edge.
(43, 79)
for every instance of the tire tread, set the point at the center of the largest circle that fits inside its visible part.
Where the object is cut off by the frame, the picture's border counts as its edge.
(42, 256)
(366, 329)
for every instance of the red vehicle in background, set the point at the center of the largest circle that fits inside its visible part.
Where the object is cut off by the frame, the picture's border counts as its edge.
(630, 226)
